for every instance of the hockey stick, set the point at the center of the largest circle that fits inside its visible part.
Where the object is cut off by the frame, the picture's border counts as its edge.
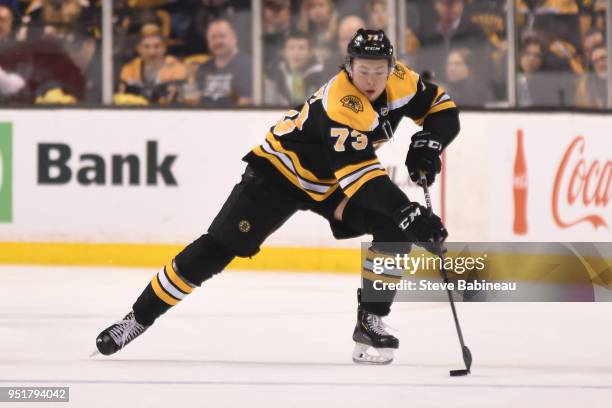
(467, 355)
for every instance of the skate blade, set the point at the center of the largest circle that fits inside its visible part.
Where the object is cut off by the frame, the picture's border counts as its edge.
(362, 354)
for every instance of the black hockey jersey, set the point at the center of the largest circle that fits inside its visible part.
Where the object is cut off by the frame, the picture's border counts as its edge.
(329, 142)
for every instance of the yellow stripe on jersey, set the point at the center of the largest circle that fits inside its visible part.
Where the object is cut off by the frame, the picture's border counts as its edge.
(161, 293)
(353, 188)
(343, 172)
(353, 176)
(345, 104)
(439, 94)
(301, 170)
(441, 102)
(325, 192)
(177, 280)
(401, 86)
(441, 106)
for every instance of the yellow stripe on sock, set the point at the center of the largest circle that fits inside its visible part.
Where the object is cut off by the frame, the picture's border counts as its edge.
(177, 280)
(159, 291)
(374, 277)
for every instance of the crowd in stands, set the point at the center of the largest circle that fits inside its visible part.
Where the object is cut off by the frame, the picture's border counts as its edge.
(200, 52)
(559, 63)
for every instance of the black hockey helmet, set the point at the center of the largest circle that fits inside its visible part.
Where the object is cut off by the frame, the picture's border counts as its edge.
(372, 44)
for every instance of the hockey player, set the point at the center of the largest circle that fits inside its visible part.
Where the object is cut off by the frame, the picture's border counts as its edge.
(321, 157)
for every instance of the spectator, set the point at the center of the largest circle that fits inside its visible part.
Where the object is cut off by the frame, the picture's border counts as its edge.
(592, 89)
(153, 75)
(276, 26)
(592, 39)
(450, 16)
(462, 86)
(129, 18)
(202, 13)
(225, 79)
(347, 27)
(557, 23)
(297, 76)
(536, 85)
(319, 19)
(530, 62)
(449, 29)
(7, 20)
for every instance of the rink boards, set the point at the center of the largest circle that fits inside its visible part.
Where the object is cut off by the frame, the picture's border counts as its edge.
(131, 187)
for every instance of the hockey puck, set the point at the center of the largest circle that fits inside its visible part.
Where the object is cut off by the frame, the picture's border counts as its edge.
(459, 373)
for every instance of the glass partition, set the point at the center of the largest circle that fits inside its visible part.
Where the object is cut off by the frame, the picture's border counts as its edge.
(229, 53)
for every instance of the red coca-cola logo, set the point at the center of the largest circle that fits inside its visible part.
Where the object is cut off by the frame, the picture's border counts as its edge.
(582, 183)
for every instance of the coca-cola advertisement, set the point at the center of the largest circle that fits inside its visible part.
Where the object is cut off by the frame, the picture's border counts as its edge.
(583, 187)
(531, 177)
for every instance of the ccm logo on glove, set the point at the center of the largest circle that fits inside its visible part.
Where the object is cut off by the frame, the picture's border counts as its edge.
(405, 223)
(432, 144)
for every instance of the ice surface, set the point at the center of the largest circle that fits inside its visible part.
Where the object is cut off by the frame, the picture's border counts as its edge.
(262, 339)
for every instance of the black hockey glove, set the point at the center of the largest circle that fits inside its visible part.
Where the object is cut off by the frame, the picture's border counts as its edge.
(424, 155)
(422, 227)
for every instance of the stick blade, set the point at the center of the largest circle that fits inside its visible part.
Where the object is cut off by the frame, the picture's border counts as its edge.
(459, 373)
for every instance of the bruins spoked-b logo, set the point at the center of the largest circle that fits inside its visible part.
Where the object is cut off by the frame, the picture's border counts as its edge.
(353, 103)
(244, 226)
(399, 71)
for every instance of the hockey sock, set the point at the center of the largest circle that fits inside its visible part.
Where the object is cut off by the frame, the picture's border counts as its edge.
(375, 296)
(198, 262)
(165, 290)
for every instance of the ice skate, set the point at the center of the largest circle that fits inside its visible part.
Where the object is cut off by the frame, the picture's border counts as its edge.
(373, 344)
(118, 335)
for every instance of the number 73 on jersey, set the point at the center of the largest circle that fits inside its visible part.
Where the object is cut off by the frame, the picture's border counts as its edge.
(359, 141)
